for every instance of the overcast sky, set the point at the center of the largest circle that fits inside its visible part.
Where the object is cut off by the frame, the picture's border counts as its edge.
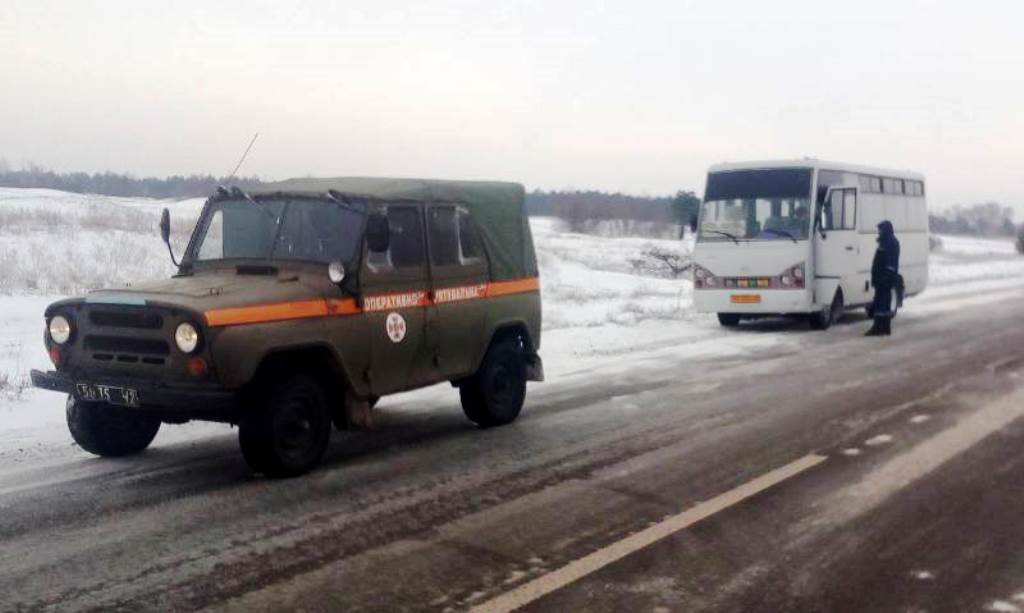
(633, 96)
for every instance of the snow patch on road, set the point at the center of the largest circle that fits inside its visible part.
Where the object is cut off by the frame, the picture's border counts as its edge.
(1003, 606)
(919, 419)
(881, 439)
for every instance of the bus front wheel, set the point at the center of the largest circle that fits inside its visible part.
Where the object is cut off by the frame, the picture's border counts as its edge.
(829, 314)
(729, 320)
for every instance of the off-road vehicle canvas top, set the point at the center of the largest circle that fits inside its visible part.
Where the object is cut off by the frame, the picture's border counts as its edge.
(301, 303)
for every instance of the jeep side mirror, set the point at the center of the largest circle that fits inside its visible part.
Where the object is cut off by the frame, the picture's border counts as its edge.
(378, 233)
(336, 272)
(165, 234)
(693, 222)
(165, 226)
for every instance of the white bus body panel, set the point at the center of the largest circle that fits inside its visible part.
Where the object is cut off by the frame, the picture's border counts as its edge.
(848, 254)
(752, 259)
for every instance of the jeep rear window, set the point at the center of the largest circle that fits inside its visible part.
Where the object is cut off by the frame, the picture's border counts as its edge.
(299, 229)
(453, 239)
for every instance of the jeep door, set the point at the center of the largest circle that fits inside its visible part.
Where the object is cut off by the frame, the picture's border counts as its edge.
(394, 290)
(459, 275)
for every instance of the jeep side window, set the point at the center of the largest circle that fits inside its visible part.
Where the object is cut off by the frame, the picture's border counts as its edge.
(453, 239)
(469, 242)
(405, 249)
(444, 240)
(212, 247)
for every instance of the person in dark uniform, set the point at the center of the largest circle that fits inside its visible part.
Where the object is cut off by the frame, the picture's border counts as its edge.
(885, 274)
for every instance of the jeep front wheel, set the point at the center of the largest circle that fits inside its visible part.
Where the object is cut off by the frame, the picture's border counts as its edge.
(288, 433)
(494, 395)
(107, 430)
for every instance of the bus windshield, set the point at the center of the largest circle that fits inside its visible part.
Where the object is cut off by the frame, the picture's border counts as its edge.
(280, 229)
(771, 204)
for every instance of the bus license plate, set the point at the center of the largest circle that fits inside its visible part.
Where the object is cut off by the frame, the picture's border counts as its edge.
(745, 298)
(121, 396)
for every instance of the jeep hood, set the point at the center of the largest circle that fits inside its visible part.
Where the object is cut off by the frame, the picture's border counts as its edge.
(215, 290)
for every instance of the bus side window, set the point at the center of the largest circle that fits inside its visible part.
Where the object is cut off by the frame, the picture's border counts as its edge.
(849, 209)
(832, 211)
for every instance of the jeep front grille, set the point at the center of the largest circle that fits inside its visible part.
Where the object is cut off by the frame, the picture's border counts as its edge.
(126, 319)
(126, 345)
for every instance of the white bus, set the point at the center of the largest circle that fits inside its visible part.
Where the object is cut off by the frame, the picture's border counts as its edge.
(798, 237)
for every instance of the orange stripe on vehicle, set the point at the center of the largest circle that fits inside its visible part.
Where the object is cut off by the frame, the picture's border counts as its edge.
(266, 312)
(518, 286)
(400, 300)
(284, 311)
(345, 306)
(460, 293)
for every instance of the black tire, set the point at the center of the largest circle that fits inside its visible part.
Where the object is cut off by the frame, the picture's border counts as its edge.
(288, 433)
(829, 314)
(729, 320)
(109, 431)
(494, 395)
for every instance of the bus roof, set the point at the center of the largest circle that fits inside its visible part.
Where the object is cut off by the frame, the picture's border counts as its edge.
(819, 164)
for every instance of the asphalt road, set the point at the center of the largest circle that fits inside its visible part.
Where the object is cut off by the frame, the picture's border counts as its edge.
(912, 502)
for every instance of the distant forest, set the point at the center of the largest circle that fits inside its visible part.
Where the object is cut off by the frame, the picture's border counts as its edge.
(582, 210)
(117, 184)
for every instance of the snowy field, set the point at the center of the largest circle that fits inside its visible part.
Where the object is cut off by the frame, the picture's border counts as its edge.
(600, 314)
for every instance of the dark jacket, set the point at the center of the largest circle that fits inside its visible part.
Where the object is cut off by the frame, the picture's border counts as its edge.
(885, 268)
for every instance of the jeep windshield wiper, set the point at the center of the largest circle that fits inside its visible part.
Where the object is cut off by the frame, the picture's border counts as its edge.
(780, 233)
(238, 193)
(734, 239)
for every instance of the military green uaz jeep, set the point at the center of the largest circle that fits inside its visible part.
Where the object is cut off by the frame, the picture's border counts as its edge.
(299, 305)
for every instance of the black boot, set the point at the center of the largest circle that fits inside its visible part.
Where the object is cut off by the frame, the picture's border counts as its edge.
(876, 327)
(886, 326)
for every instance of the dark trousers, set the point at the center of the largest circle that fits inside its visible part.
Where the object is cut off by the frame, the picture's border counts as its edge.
(881, 306)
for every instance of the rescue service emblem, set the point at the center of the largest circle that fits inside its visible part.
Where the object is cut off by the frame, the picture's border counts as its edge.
(395, 326)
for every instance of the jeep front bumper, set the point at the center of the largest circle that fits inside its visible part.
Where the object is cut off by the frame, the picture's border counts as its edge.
(196, 400)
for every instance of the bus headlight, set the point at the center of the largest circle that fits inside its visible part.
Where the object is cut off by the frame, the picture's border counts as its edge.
(60, 329)
(186, 337)
(702, 277)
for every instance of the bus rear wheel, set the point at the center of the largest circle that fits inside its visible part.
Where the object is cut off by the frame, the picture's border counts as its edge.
(729, 320)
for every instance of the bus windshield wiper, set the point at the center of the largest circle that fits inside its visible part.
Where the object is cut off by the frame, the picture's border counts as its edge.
(781, 233)
(734, 239)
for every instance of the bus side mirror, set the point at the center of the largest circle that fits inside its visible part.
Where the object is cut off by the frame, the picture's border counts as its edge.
(378, 233)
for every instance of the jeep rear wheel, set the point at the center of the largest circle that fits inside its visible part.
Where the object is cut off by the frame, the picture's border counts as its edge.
(109, 431)
(289, 431)
(494, 395)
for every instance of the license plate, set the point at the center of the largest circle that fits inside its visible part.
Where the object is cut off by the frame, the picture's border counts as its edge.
(745, 298)
(121, 396)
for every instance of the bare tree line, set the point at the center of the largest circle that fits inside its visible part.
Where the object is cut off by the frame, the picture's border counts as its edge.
(117, 184)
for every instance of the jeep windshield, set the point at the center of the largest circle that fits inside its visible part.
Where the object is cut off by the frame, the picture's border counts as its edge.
(301, 229)
(770, 204)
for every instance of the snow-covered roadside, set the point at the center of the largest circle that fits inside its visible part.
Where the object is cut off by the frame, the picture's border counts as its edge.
(600, 316)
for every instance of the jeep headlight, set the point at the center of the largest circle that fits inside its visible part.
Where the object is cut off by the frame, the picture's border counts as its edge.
(186, 337)
(60, 329)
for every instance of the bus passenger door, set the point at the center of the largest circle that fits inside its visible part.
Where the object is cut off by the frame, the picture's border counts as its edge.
(836, 243)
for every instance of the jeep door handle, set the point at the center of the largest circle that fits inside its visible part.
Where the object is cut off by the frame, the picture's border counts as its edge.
(849, 248)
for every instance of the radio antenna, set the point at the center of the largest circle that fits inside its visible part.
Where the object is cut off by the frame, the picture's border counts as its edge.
(242, 159)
